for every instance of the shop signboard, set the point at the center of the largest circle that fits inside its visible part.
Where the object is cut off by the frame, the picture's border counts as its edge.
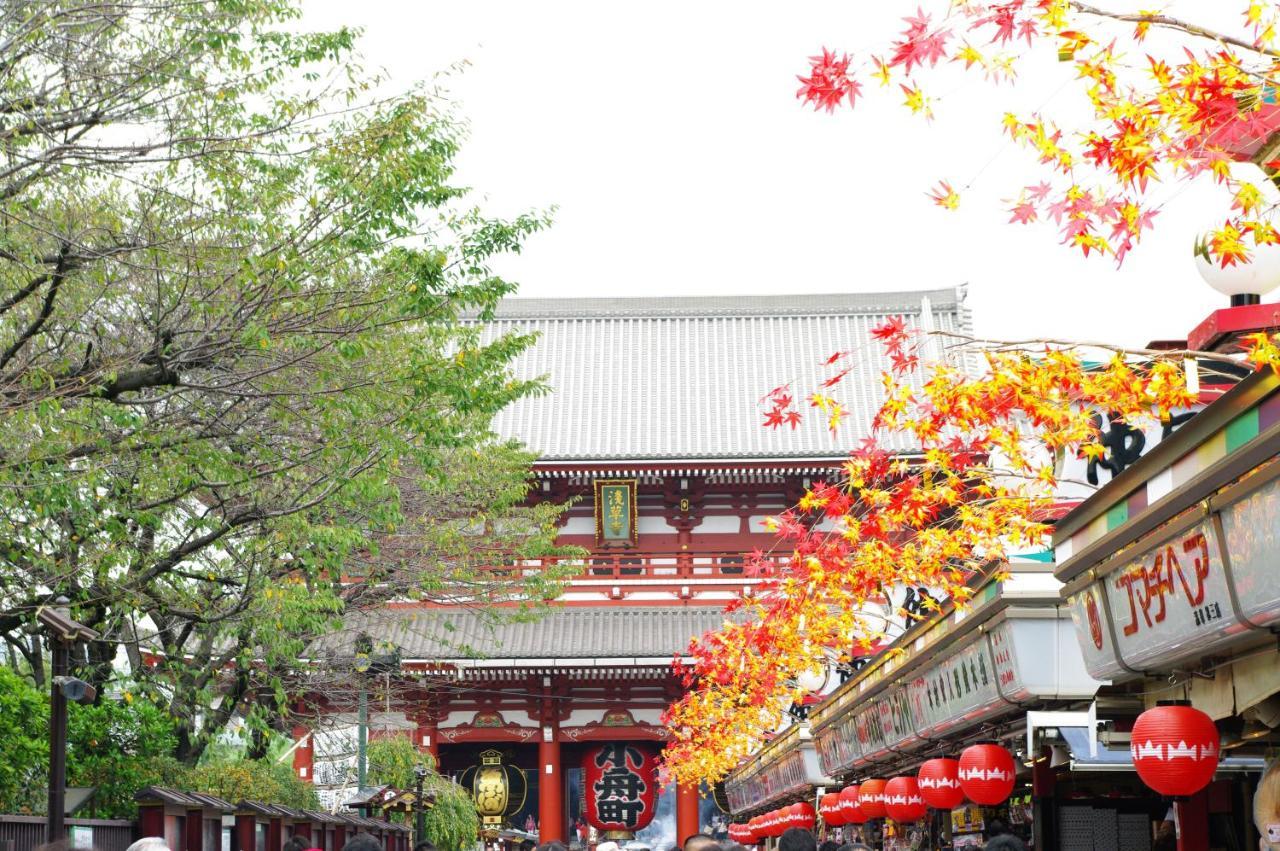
(778, 778)
(1016, 660)
(1170, 600)
(1251, 536)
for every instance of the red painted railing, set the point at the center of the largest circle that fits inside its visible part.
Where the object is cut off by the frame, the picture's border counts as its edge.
(647, 565)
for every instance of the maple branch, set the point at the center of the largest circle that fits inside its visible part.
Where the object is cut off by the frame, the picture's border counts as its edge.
(1173, 23)
(986, 344)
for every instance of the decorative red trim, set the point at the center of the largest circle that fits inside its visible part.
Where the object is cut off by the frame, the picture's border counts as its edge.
(597, 732)
(1233, 321)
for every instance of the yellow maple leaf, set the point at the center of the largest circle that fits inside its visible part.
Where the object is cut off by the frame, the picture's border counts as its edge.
(944, 196)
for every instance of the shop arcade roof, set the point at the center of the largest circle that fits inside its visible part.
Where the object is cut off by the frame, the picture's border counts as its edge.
(653, 379)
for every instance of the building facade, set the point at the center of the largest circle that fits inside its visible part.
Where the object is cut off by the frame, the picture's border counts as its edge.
(654, 432)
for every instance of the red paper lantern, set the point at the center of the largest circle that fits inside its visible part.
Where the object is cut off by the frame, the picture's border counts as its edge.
(620, 782)
(1175, 749)
(851, 806)
(986, 774)
(939, 782)
(774, 823)
(871, 798)
(829, 808)
(902, 800)
(803, 816)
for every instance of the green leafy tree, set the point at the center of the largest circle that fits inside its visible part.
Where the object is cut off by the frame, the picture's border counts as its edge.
(241, 307)
(24, 744)
(119, 748)
(452, 822)
(241, 779)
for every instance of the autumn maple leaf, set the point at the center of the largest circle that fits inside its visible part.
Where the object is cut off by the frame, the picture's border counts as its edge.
(1023, 213)
(944, 196)
(829, 82)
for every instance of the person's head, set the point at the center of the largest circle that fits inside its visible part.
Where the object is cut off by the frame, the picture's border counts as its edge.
(701, 842)
(732, 846)
(828, 845)
(362, 842)
(428, 845)
(149, 843)
(294, 843)
(995, 827)
(525, 845)
(797, 839)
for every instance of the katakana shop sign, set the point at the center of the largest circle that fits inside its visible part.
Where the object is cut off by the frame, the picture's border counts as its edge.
(621, 783)
(1166, 601)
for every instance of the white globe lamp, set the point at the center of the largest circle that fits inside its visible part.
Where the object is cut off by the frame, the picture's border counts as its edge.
(812, 679)
(1245, 283)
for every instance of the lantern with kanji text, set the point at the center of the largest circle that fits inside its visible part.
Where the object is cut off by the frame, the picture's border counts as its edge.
(1175, 749)
(620, 783)
(986, 774)
(939, 783)
(871, 797)
(851, 805)
(902, 801)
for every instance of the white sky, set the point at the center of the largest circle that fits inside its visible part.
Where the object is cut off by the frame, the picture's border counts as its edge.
(669, 136)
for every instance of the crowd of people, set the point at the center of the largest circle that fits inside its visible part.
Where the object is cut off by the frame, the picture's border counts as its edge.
(795, 839)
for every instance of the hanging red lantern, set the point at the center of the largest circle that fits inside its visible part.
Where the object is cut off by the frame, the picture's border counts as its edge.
(803, 816)
(773, 823)
(829, 809)
(986, 774)
(871, 797)
(851, 806)
(939, 782)
(1175, 749)
(902, 801)
(620, 782)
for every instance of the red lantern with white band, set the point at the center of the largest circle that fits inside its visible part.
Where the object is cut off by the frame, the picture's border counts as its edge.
(1175, 749)
(803, 816)
(829, 809)
(871, 798)
(851, 806)
(987, 774)
(939, 782)
(902, 801)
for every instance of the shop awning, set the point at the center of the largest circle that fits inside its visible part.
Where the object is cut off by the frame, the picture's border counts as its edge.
(1096, 756)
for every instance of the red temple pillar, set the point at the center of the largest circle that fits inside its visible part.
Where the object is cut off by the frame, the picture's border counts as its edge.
(686, 812)
(303, 754)
(550, 786)
(1193, 821)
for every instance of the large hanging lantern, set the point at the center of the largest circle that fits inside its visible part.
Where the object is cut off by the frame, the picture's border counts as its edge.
(497, 789)
(620, 782)
(871, 797)
(987, 774)
(902, 801)
(939, 783)
(803, 816)
(1175, 749)
(851, 805)
(829, 809)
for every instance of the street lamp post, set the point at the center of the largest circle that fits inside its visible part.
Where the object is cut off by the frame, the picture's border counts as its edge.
(63, 633)
(420, 810)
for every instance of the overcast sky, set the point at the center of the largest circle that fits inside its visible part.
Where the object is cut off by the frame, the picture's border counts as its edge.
(669, 137)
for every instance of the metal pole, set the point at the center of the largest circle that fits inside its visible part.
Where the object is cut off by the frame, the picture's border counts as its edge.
(57, 831)
(362, 738)
(420, 822)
